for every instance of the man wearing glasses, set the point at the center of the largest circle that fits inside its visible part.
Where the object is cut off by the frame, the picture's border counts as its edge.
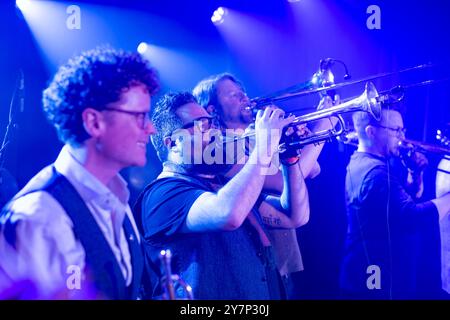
(70, 232)
(385, 219)
(214, 229)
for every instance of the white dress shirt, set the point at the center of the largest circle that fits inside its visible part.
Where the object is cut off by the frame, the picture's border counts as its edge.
(46, 250)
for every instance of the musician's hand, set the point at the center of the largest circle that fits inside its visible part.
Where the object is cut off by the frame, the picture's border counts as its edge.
(327, 123)
(416, 163)
(291, 135)
(268, 129)
(300, 130)
(327, 102)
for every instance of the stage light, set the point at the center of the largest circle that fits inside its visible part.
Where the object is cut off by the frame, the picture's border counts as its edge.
(22, 4)
(142, 47)
(219, 15)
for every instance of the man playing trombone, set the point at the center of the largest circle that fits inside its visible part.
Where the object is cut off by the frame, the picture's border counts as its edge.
(385, 219)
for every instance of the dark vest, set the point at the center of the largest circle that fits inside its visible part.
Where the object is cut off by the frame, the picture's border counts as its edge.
(101, 265)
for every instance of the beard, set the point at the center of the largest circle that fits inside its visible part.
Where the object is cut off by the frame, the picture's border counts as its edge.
(247, 117)
(215, 158)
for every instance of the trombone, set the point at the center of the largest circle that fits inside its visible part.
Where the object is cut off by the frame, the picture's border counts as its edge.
(322, 82)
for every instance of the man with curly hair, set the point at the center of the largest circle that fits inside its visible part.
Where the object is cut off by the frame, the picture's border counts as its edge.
(70, 232)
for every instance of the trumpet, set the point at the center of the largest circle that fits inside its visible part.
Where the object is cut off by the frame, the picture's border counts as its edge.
(407, 146)
(368, 101)
(170, 282)
(411, 146)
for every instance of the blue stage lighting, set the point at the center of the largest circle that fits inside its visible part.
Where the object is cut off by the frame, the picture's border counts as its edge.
(22, 4)
(219, 15)
(142, 47)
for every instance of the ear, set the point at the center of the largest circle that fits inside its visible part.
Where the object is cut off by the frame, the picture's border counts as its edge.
(171, 145)
(211, 109)
(92, 122)
(370, 131)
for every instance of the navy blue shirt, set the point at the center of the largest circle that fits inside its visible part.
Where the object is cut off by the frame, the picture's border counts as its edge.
(384, 229)
(217, 265)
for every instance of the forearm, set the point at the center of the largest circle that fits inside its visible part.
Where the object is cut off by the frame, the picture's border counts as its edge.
(294, 199)
(310, 153)
(308, 159)
(239, 195)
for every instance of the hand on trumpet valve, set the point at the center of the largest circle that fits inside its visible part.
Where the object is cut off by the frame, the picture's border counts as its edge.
(269, 126)
(291, 135)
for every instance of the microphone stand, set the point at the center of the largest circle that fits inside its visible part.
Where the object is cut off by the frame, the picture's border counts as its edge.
(8, 184)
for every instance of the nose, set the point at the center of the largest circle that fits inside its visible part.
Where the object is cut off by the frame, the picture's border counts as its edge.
(149, 127)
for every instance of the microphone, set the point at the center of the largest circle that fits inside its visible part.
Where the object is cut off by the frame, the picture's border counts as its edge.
(327, 63)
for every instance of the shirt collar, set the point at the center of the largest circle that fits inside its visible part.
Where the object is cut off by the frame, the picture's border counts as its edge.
(85, 182)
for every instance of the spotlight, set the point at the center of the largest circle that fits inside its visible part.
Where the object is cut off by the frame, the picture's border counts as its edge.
(142, 47)
(219, 15)
(22, 4)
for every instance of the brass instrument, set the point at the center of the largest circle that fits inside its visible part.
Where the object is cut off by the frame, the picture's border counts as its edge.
(412, 146)
(320, 80)
(170, 282)
(368, 101)
(407, 145)
(324, 81)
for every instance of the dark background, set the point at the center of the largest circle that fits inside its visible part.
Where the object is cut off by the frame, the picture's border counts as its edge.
(269, 45)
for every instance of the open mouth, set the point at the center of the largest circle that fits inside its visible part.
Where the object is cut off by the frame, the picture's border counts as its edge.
(246, 108)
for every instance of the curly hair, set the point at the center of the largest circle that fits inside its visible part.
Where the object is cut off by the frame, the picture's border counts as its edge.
(165, 119)
(93, 79)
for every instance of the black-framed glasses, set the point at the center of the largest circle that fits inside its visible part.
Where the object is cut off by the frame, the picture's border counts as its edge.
(203, 124)
(399, 131)
(142, 118)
